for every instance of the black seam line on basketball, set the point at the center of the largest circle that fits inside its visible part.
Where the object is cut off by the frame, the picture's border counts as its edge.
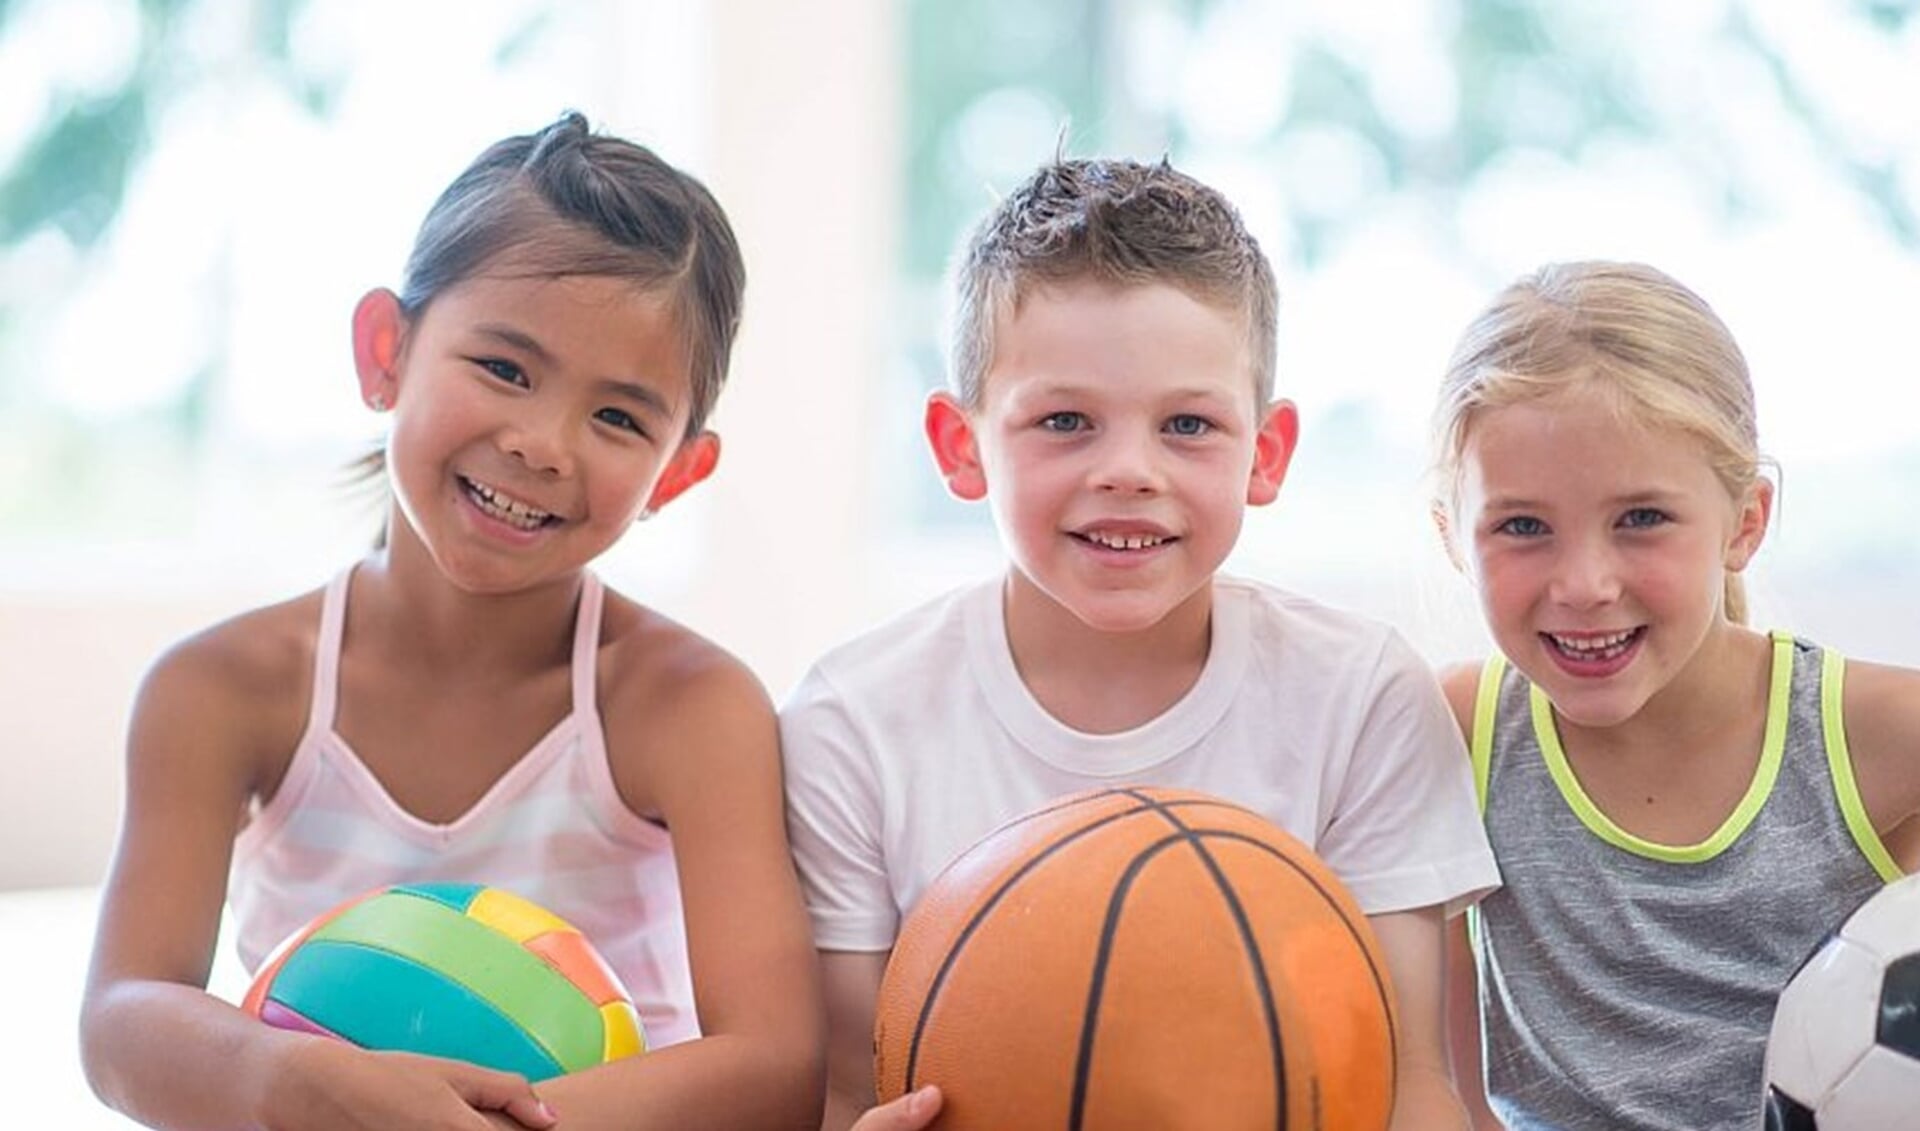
(1146, 800)
(1083, 1062)
(1149, 801)
(1379, 982)
(1197, 838)
(966, 932)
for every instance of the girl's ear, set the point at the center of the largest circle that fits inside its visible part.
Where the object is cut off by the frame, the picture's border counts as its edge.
(692, 462)
(955, 448)
(1750, 526)
(1443, 523)
(1273, 448)
(379, 331)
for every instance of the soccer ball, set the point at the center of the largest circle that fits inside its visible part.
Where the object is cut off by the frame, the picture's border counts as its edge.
(1844, 1054)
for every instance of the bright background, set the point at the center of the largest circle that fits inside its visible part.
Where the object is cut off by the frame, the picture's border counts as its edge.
(193, 193)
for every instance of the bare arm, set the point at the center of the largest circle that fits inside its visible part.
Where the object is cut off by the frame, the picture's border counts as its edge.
(1412, 944)
(706, 753)
(154, 1044)
(1463, 1025)
(1461, 683)
(1882, 713)
(852, 980)
(853, 989)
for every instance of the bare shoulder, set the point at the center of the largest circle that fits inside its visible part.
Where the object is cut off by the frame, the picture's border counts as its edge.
(233, 695)
(1461, 683)
(675, 705)
(1881, 709)
(258, 662)
(656, 665)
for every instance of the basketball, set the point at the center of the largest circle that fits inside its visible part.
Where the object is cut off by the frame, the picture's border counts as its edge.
(1139, 959)
(462, 971)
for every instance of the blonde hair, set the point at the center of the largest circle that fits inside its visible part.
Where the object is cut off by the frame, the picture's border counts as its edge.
(1653, 348)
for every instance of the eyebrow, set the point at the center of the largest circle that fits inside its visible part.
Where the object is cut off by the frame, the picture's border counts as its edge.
(646, 396)
(1652, 496)
(1066, 388)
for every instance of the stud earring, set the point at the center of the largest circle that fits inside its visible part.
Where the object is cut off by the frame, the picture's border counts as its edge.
(378, 402)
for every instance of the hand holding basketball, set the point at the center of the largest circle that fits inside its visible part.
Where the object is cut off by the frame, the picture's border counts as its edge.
(910, 1112)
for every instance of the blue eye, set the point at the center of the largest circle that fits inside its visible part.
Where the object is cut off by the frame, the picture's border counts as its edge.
(1187, 424)
(1522, 526)
(1063, 422)
(1640, 518)
(502, 369)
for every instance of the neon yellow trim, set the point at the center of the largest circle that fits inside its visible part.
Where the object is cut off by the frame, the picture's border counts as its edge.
(1833, 668)
(1602, 826)
(1485, 702)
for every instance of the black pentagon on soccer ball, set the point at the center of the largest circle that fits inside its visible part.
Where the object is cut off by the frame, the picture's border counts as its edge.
(1899, 1027)
(1784, 1113)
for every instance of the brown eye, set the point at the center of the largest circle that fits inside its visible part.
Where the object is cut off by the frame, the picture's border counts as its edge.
(502, 369)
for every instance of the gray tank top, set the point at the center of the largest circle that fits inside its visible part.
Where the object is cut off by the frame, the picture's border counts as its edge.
(1630, 985)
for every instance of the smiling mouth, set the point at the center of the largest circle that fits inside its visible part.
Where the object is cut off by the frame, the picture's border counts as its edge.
(505, 508)
(1107, 541)
(1594, 648)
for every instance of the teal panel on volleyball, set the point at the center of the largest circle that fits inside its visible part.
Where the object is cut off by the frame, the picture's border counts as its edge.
(441, 1017)
(456, 896)
(545, 1007)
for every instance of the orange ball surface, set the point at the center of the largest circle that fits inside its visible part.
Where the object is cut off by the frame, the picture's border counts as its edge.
(1139, 958)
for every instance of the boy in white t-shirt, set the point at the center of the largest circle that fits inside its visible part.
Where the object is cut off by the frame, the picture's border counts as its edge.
(1112, 398)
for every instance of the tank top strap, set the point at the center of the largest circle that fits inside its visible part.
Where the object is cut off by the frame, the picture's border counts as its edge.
(1486, 708)
(326, 653)
(586, 647)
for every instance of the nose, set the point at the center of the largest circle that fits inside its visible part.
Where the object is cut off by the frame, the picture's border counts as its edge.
(1585, 575)
(541, 441)
(1129, 462)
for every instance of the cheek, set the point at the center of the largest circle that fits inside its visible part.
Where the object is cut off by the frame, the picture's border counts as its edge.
(624, 482)
(1507, 585)
(1679, 571)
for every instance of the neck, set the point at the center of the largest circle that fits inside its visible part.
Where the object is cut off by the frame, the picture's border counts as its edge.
(1098, 681)
(403, 600)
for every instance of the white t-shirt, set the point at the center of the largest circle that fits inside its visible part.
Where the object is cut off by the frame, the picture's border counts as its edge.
(906, 745)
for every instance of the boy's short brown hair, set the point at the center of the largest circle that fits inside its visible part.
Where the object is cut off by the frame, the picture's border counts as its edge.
(1114, 221)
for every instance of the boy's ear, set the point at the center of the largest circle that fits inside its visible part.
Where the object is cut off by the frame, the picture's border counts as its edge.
(379, 333)
(955, 450)
(1273, 448)
(1750, 527)
(695, 459)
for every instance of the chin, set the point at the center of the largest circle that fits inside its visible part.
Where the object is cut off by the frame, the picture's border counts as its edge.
(1594, 711)
(1120, 617)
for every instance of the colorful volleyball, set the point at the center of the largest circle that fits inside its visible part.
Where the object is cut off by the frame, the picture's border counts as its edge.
(463, 971)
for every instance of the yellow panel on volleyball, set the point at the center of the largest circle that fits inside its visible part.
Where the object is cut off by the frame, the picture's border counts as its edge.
(514, 917)
(622, 1027)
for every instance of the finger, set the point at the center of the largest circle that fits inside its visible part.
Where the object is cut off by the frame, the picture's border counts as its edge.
(504, 1092)
(910, 1112)
(922, 1106)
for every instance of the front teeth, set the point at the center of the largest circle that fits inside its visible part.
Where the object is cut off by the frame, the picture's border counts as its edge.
(1126, 541)
(1595, 647)
(504, 507)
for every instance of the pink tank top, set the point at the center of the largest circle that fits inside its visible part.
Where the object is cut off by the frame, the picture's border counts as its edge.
(553, 829)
